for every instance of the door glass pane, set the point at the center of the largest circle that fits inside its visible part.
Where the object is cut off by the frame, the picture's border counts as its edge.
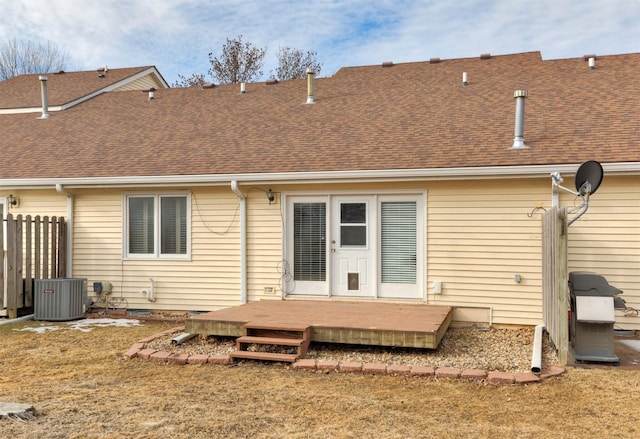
(141, 224)
(398, 242)
(353, 224)
(353, 213)
(173, 220)
(309, 241)
(353, 236)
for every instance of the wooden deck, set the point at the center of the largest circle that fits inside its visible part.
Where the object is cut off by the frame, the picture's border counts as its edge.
(368, 323)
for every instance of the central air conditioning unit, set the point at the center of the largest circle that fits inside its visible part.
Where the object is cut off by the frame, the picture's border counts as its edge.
(60, 299)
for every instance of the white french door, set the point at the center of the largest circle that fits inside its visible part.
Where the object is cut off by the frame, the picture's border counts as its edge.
(358, 246)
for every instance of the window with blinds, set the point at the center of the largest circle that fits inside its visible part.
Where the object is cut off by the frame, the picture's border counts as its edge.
(173, 231)
(398, 241)
(309, 241)
(141, 225)
(157, 225)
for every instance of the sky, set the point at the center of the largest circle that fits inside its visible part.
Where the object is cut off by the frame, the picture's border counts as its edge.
(177, 36)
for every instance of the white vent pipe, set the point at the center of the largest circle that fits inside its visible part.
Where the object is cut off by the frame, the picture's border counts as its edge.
(45, 97)
(309, 86)
(518, 139)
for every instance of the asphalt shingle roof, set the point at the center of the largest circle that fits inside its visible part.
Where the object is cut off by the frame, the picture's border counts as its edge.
(407, 116)
(23, 91)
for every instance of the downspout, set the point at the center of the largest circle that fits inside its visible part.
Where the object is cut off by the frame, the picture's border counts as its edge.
(536, 356)
(243, 241)
(70, 205)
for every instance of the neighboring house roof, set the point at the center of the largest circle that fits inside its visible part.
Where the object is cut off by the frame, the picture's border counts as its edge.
(22, 93)
(365, 121)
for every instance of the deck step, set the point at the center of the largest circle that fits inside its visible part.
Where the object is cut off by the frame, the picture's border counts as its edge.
(248, 339)
(267, 356)
(278, 337)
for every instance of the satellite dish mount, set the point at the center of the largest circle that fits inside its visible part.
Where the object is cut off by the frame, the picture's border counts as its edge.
(587, 182)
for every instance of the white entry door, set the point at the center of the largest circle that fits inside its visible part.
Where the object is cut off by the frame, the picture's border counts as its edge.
(353, 246)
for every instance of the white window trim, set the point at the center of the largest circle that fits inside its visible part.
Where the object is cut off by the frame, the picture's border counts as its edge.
(156, 232)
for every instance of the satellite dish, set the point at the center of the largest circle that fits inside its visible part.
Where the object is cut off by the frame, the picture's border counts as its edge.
(589, 177)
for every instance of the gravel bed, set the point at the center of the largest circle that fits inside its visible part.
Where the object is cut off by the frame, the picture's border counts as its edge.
(504, 350)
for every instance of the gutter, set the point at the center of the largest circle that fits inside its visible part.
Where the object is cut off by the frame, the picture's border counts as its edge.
(243, 241)
(70, 208)
(364, 176)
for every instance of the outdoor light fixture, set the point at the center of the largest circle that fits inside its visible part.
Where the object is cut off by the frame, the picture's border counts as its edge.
(12, 200)
(270, 196)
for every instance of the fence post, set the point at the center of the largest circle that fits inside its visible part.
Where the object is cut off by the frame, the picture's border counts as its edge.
(54, 247)
(28, 262)
(12, 300)
(2, 272)
(37, 261)
(62, 247)
(562, 286)
(45, 247)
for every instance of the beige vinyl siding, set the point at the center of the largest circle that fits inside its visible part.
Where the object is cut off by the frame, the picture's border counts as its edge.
(606, 240)
(210, 280)
(479, 236)
(264, 245)
(144, 83)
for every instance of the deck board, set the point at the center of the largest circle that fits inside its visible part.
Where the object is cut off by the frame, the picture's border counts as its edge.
(371, 323)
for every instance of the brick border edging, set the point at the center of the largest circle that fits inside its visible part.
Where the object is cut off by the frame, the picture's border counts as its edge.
(139, 350)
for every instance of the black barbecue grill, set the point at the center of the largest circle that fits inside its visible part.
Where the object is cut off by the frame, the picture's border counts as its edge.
(593, 302)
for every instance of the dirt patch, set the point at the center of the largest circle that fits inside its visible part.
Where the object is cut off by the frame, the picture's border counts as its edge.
(82, 387)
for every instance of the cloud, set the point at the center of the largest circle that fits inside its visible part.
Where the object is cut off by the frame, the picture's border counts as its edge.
(177, 35)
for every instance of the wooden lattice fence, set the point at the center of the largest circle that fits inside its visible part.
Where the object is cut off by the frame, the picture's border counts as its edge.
(34, 248)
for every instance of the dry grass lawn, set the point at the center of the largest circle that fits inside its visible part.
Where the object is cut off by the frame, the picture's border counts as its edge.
(82, 387)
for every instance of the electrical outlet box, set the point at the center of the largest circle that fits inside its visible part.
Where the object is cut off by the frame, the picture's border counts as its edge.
(269, 290)
(437, 287)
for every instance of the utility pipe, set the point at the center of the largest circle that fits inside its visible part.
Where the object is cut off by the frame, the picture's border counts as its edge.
(19, 319)
(70, 208)
(243, 240)
(150, 293)
(536, 356)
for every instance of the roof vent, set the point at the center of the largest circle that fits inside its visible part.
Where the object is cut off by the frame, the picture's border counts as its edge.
(465, 79)
(387, 64)
(243, 88)
(208, 85)
(309, 86)
(272, 81)
(45, 97)
(59, 72)
(485, 56)
(518, 139)
(587, 57)
(592, 63)
(151, 93)
(434, 60)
